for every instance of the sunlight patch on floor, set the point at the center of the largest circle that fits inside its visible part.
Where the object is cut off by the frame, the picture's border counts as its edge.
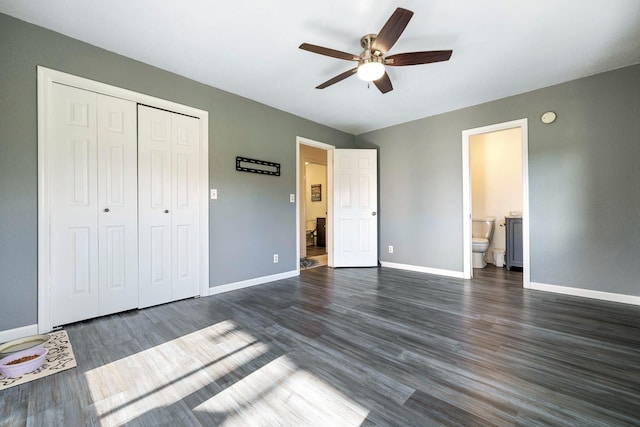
(280, 393)
(160, 376)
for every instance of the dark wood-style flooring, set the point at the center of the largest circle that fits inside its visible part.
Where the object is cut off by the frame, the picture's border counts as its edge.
(350, 347)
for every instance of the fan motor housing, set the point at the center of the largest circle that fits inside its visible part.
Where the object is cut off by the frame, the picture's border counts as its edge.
(367, 41)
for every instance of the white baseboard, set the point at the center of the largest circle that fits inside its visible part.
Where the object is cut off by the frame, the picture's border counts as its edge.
(586, 293)
(419, 269)
(14, 334)
(252, 282)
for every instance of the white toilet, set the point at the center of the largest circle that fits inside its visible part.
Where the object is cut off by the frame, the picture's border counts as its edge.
(481, 232)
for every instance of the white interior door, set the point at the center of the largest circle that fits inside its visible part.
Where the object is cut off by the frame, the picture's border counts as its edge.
(154, 205)
(93, 205)
(74, 202)
(355, 204)
(117, 204)
(185, 206)
(168, 145)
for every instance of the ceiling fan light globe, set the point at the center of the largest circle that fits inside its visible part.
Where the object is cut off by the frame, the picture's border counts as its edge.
(370, 71)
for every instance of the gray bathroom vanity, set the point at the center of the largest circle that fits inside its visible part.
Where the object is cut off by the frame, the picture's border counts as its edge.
(514, 242)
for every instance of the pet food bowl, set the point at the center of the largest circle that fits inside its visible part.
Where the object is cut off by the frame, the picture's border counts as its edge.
(20, 344)
(17, 369)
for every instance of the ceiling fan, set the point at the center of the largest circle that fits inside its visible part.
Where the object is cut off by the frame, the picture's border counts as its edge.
(372, 60)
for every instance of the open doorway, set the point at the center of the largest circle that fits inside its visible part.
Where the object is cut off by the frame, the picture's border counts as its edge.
(314, 202)
(496, 195)
(351, 228)
(495, 187)
(315, 211)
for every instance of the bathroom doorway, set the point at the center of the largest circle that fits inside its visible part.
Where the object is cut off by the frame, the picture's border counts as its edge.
(495, 185)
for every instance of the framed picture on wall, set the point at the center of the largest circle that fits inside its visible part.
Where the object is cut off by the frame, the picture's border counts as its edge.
(316, 192)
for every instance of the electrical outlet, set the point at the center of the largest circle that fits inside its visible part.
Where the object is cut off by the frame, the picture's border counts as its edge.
(275, 258)
(390, 249)
(292, 198)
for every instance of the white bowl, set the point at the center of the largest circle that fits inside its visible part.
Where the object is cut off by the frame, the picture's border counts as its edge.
(12, 371)
(20, 344)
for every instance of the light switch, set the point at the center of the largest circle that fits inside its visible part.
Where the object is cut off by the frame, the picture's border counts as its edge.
(214, 194)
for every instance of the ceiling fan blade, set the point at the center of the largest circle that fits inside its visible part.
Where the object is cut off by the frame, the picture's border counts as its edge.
(389, 34)
(384, 83)
(417, 58)
(337, 78)
(328, 52)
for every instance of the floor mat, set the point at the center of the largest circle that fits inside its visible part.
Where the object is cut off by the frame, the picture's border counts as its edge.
(59, 358)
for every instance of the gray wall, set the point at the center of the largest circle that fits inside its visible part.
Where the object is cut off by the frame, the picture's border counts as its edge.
(251, 220)
(584, 183)
(584, 178)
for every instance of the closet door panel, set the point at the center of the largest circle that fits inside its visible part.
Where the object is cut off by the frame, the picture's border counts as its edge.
(117, 204)
(154, 206)
(74, 200)
(185, 202)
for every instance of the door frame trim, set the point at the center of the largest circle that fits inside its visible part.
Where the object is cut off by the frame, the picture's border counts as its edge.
(466, 194)
(46, 77)
(329, 234)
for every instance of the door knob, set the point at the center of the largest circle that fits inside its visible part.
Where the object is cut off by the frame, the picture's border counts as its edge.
(373, 214)
(106, 209)
(166, 211)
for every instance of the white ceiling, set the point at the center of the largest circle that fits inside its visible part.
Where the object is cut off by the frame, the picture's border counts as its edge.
(250, 48)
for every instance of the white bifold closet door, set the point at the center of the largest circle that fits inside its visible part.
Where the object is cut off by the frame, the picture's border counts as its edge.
(168, 171)
(93, 224)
